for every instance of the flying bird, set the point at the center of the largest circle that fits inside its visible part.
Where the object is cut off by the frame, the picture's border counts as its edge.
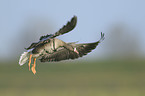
(51, 49)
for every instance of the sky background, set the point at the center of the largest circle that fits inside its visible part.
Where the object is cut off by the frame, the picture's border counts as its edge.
(24, 21)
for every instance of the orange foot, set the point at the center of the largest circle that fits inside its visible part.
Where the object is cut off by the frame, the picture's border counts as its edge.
(29, 61)
(33, 67)
(33, 70)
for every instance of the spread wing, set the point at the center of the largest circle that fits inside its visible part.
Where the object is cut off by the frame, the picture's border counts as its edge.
(64, 54)
(66, 28)
(60, 54)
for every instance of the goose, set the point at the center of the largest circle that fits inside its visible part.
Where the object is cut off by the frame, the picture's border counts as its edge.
(51, 49)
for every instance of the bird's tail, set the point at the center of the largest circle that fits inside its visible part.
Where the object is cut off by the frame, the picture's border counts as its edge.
(24, 58)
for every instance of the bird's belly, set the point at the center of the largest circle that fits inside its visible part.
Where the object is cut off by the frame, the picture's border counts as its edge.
(49, 48)
(43, 51)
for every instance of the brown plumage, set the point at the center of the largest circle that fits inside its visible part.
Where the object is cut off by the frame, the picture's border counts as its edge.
(50, 49)
(63, 53)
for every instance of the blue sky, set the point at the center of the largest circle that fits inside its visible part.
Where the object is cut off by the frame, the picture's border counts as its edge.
(94, 16)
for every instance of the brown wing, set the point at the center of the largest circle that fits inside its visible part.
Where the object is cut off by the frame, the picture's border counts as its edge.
(64, 54)
(66, 28)
(59, 55)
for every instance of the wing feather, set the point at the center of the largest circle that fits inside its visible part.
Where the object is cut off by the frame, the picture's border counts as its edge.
(64, 54)
(66, 28)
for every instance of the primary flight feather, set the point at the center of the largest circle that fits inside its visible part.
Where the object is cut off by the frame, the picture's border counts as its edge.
(50, 49)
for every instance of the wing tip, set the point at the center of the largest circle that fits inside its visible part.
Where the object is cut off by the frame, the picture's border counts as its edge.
(74, 20)
(74, 17)
(102, 37)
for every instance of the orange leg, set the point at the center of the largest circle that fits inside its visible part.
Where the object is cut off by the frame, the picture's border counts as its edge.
(29, 61)
(33, 67)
